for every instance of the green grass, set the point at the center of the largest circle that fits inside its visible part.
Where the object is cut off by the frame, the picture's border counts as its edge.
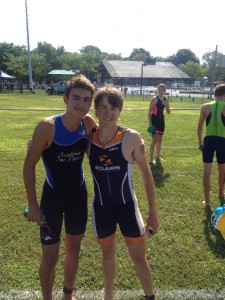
(186, 254)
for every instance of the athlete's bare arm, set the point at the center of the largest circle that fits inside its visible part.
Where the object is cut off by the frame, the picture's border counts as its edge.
(205, 111)
(152, 104)
(90, 123)
(131, 151)
(41, 140)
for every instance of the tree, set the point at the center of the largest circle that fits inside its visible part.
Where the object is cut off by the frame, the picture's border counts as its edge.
(50, 54)
(17, 66)
(70, 61)
(40, 67)
(193, 69)
(8, 51)
(183, 56)
(111, 56)
(141, 55)
(90, 61)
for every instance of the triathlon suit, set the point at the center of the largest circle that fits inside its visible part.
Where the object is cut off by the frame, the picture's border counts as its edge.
(157, 117)
(214, 140)
(64, 190)
(114, 198)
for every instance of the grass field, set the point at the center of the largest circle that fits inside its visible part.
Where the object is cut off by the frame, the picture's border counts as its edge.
(186, 256)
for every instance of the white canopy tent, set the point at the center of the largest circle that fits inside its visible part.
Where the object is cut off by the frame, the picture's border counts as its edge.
(3, 75)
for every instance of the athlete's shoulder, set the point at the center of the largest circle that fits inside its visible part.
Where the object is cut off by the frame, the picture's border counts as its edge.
(46, 123)
(90, 123)
(132, 134)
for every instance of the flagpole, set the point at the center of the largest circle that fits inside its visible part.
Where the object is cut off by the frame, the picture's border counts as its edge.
(28, 46)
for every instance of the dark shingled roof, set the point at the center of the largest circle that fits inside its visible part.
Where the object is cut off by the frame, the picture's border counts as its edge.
(132, 69)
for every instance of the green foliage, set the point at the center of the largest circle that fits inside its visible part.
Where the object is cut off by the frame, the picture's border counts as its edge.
(45, 57)
(185, 254)
(193, 69)
(183, 56)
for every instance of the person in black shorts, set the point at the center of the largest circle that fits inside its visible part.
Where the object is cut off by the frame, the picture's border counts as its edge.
(112, 152)
(156, 120)
(213, 114)
(61, 141)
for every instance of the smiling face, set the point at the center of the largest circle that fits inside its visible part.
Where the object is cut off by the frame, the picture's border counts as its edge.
(107, 113)
(161, 89)
(78, 102)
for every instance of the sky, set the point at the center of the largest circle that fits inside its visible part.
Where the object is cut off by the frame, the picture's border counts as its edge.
(161, 27)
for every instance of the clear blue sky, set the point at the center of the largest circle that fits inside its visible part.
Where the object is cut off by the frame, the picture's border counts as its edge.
(161, 27)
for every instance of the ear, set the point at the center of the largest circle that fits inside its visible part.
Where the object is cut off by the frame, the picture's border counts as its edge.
(65, 99)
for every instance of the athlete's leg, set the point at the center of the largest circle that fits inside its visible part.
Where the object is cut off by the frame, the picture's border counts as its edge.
(206, 181)
(221, 177)
(108, 268)
(50, 255)
(158, 145)
(72, 248)
(152, 146)
(137, 254)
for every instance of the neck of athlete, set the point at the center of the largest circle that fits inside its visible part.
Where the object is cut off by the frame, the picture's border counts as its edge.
(106, 134)
(70, 122)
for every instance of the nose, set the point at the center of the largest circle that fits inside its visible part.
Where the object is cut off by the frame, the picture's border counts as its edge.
(81, 103)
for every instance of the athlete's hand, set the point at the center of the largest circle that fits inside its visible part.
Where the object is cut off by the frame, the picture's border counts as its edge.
(152, 222)
(151, 130)
(34, 215)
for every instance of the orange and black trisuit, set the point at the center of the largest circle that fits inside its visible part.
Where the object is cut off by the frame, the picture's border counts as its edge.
(114, 199)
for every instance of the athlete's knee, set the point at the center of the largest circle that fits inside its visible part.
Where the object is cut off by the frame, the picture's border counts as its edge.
(50, 256)
(73, 244)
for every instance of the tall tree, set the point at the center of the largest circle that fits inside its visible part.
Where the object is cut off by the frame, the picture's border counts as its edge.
(90, 61)
(141, 55)
(8, 51)
(193, 69)
(183, 56)
(50, 54)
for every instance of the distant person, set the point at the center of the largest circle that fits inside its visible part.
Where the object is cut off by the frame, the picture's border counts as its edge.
(31, 87)
(125, 91)
(21, 87)
(1, 86)
(51, 88)
(213, 114)
(112, 154)
(61, 141)
(156, 121)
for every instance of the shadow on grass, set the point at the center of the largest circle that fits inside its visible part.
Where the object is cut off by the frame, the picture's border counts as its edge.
(158, 173)
(214, 238)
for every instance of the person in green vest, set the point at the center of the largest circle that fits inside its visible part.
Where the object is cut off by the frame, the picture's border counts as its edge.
(213, 114)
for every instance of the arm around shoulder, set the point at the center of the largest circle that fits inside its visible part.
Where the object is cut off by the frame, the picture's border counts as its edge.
(90, 123)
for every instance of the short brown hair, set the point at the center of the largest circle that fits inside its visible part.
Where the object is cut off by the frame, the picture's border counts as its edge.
(79, 81)
(115, 97)
(220, 90)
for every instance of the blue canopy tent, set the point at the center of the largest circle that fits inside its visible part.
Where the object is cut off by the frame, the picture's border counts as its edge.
(62, 74)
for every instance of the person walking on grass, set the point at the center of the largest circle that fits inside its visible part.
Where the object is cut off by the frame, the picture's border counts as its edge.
(112, 152)
(61, 142)
(213, 114)
(156, 121)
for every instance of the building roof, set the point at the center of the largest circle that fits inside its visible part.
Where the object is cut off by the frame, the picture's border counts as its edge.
(133, 69)
(62, 72)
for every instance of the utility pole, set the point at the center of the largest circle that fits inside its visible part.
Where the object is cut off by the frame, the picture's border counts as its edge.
(213, 72)
(28, 46)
